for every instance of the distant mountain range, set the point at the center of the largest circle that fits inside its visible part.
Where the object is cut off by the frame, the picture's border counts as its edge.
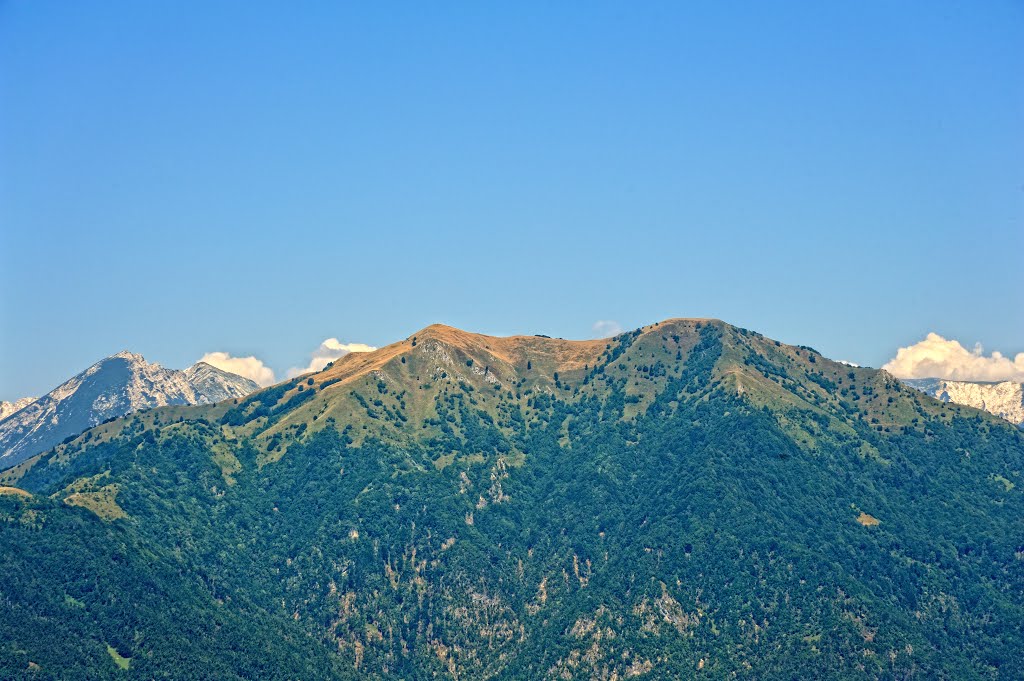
(8, 408)
(1004, 399)
(115, 386)
(686, 500)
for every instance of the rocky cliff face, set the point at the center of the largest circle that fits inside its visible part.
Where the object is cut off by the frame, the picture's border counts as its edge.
(1005, 399)
(115, 386)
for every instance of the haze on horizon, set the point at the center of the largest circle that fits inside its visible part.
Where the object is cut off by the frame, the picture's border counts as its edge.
(283, 185)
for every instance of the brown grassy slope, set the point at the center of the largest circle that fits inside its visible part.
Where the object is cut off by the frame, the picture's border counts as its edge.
(410, 375)
(499, 370)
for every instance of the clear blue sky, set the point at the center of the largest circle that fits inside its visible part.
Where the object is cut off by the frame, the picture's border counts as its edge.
(183, 177)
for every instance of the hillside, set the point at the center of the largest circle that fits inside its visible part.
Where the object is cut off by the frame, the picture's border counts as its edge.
(686, 499)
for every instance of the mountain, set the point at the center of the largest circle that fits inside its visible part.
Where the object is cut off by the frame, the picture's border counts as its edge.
(1004, 399)
(211, 384)
(8, 408)
(115, 386)
(686, 499)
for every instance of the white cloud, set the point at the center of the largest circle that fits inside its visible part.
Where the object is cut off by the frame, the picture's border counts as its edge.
(605, 328)
(249, 367)
(937, 357)
(330, 350)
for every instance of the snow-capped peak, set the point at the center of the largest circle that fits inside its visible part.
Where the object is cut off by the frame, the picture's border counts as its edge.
(128, 354)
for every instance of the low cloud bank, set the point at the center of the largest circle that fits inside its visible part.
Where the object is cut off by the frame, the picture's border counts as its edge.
(938, 357)
(330, 350)
(606, 328)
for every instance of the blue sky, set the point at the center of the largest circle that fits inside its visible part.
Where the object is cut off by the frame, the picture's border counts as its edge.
(180, 178)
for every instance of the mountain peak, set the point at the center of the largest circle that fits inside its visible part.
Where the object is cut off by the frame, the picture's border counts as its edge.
(213, 384)
(129, 355)
(200, 367)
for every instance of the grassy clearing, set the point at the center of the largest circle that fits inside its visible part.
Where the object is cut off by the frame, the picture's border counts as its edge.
(102, 502)
(868, 520)
(121, 661)
(1005, 482)
(443, 461)
(227, 462)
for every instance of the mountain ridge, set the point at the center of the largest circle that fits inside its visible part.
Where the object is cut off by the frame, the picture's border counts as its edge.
(750, 366)
(688, 497)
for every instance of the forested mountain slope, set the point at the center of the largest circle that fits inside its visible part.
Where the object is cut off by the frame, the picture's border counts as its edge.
(687, 499)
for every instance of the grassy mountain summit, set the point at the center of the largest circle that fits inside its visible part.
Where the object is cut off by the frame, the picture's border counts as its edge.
(686, 499)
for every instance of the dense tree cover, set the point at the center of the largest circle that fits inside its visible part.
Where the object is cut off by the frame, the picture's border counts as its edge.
(555, 536)
(75, 587)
